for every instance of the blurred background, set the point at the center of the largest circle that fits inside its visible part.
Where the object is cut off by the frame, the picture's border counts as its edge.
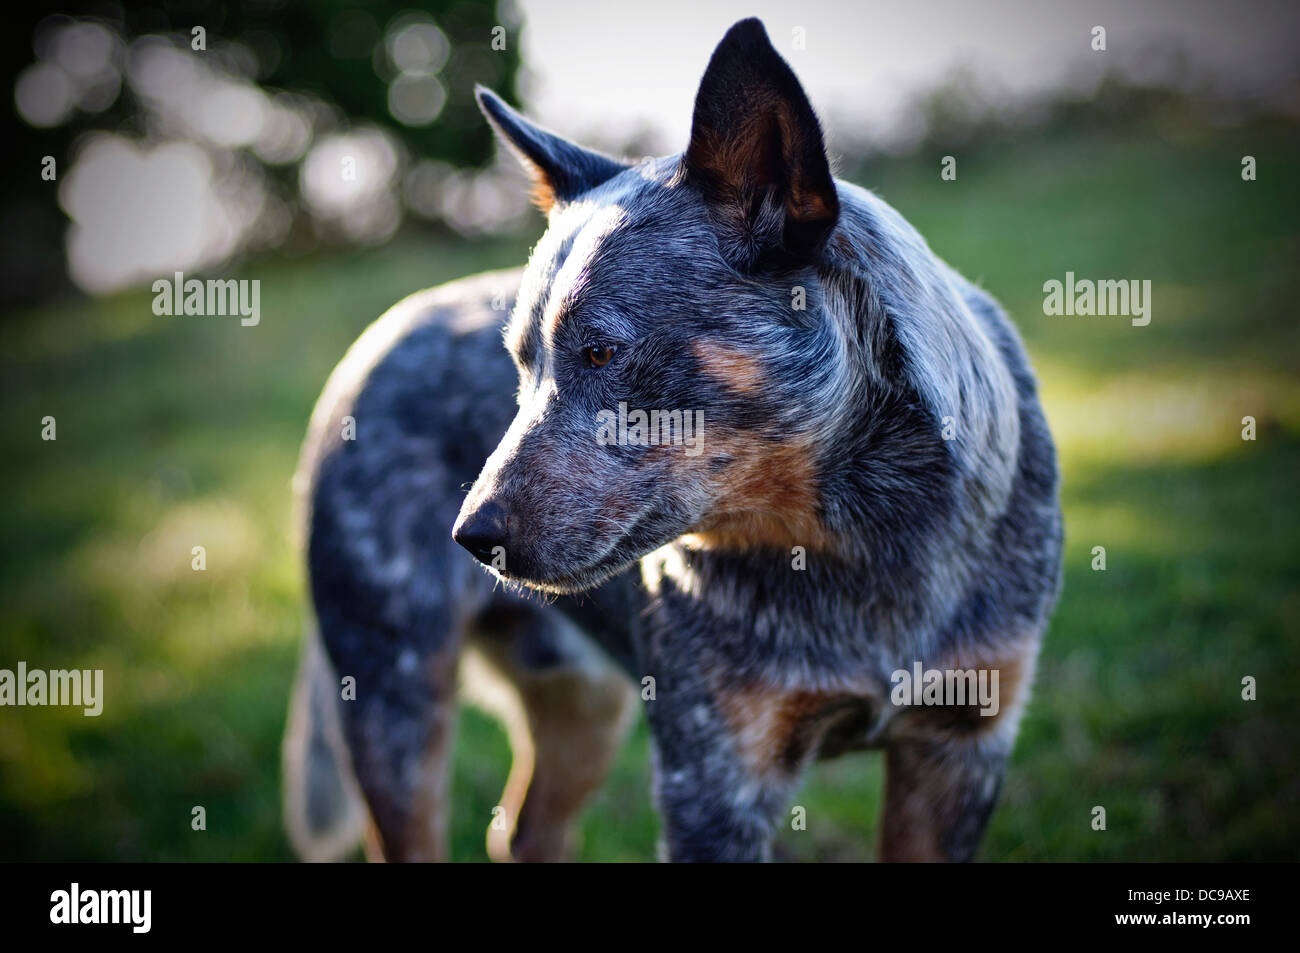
(332, 151)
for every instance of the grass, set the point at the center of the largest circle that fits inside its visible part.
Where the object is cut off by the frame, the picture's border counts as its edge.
(172, 431)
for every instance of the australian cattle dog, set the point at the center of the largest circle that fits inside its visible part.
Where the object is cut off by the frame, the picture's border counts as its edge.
(751, 457)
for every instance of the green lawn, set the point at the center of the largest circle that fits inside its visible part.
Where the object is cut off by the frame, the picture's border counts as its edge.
(177, 431)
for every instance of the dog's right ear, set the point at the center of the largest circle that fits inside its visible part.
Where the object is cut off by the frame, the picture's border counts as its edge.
(560, 170)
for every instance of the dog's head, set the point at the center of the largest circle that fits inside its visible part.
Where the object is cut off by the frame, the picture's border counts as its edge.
(673, 357)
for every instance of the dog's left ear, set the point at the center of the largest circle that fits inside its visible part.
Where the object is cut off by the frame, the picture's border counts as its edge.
(560, 170)
(757, 153)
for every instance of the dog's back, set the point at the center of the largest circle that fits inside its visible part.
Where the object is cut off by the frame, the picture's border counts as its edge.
(401, 428)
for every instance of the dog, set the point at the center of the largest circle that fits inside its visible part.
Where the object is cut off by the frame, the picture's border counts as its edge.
(846, 478)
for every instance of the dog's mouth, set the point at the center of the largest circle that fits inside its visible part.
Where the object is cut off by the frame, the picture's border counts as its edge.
(569, 581)
(620, 554)
(571, 584)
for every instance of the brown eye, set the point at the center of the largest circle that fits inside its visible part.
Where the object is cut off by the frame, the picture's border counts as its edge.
(597, 356)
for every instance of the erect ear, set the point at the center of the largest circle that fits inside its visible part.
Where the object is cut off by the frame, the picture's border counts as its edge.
(560, 170)
(757, 153)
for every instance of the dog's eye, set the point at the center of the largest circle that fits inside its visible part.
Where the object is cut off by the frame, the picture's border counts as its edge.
(597, 355)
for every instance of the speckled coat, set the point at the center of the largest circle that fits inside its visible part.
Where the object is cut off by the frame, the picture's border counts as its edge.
(875, 486)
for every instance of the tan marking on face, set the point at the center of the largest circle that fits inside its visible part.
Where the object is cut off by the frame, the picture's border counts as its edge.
(769, 497)
(739, 371)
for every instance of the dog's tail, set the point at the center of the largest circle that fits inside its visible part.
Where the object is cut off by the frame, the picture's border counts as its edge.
(323, 809)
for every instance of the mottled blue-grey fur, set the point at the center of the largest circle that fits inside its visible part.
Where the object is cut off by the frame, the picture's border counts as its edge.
(877, 488)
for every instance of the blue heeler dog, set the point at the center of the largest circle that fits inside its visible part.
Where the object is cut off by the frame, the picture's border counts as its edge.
(872, 486)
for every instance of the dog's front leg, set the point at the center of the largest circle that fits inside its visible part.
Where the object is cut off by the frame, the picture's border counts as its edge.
(939, 796)
(721, 781)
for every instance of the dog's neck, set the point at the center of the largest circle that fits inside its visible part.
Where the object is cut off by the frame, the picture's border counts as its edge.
(915, 443)
(913, 346)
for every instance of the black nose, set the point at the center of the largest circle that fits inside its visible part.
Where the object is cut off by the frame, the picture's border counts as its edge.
(482, 530)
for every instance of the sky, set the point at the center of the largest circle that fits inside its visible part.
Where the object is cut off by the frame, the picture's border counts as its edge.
(636, 65)
(604, 72)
